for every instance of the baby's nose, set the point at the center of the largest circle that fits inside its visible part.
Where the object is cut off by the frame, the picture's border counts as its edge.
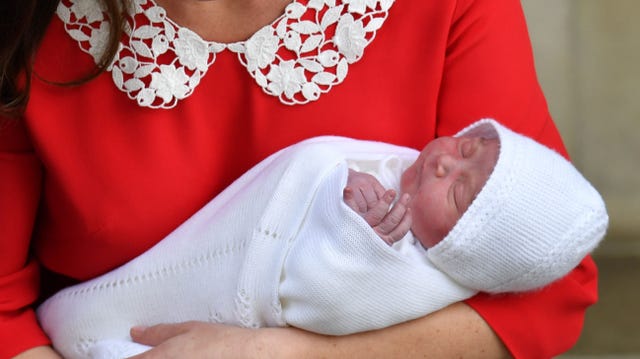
(444, 164)
(441, 171)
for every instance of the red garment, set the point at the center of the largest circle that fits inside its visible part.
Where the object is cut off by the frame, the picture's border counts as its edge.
(104, 179)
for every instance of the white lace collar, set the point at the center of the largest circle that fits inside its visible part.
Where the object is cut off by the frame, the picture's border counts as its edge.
(293, 58)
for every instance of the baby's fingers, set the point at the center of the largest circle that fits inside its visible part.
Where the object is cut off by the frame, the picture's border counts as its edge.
(349, 198)
(396, 223)
(380, 209)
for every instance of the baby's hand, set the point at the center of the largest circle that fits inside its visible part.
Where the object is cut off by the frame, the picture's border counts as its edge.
(366, 196)
(397, 222)
(362, 193)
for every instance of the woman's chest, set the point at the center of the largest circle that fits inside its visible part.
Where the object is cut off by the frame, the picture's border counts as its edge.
(120, 176)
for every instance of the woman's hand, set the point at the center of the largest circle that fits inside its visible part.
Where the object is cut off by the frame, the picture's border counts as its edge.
(206, 340)
(43, 352)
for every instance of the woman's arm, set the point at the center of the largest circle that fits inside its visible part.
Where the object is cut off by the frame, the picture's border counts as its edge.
(455, 331)
(20, 176)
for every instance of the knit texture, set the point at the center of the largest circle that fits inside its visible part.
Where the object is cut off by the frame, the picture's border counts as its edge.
(278, 247)
(222, 265)
(534, 220)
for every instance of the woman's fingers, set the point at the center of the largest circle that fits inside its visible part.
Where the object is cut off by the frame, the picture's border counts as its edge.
(157, 334)
(196, 340)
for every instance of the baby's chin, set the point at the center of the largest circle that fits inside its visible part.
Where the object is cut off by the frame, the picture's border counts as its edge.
(427, 243)
(424, 244)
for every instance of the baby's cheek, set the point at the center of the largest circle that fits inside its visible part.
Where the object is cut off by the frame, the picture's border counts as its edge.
(407, 178)
(431, 221)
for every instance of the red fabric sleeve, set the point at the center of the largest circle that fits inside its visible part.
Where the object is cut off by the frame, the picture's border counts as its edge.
(489, 72)
(20, 177)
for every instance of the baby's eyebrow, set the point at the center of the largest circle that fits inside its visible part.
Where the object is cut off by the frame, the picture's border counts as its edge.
(471, 189)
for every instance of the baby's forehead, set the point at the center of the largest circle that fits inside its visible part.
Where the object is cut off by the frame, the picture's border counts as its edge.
(494, 149)
(485, 165)
(491, 144)
(485, 135)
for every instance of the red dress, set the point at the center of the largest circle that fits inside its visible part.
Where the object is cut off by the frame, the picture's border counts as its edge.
(91, 177)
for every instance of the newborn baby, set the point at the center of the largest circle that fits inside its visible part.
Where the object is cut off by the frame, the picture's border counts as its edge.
(297, 241)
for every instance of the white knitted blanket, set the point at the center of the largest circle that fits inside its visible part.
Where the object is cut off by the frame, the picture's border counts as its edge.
(277, 247)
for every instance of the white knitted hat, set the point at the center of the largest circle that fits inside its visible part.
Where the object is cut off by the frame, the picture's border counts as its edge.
(533, 221)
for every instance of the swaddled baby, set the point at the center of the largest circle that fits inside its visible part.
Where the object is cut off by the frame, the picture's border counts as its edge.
(297, 241)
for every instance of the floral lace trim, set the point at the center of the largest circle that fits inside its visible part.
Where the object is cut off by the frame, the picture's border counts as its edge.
(297, 58)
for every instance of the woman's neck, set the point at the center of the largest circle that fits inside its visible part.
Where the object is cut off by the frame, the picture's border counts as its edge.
(224, 20)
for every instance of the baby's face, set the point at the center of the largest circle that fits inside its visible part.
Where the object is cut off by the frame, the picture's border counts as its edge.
(443, 182)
